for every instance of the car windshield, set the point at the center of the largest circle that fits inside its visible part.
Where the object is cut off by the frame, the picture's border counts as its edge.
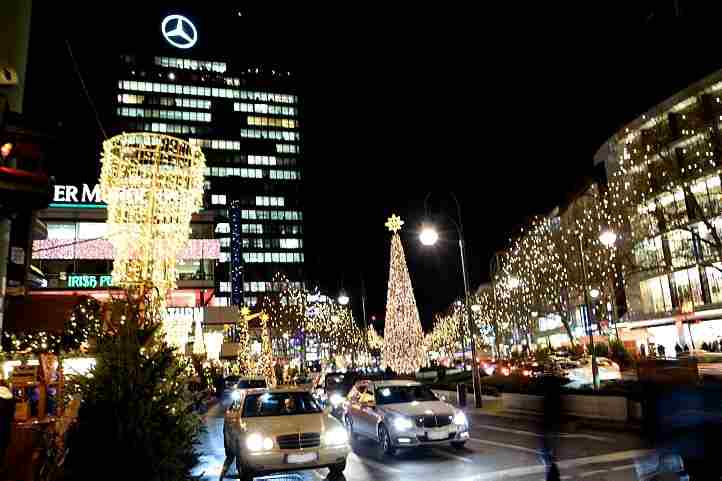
(251, 383)
(403, 394)
(279, 404)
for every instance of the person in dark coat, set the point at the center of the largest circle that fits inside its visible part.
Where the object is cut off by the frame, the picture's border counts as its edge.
(7, 413)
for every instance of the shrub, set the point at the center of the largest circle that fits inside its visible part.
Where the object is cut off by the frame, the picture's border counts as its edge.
(619, 354)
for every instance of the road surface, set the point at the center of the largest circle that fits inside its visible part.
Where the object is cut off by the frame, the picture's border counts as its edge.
(500, 448)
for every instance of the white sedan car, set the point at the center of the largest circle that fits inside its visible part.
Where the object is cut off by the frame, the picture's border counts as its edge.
(582, 374)
(275, 430)
(403, 414)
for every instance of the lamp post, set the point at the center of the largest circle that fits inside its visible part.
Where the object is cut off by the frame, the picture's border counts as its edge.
(607, 238)
(429, 236)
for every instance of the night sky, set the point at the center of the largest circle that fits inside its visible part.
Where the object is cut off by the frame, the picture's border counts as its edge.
(504, 105)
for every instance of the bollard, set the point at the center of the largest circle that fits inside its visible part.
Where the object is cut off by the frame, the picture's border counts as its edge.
(461, 394)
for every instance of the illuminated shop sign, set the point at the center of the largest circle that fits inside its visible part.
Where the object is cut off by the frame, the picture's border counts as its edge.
(89, 281)
(77, 196)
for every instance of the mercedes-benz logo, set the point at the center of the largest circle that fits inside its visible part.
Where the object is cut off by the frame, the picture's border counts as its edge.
(179, 31)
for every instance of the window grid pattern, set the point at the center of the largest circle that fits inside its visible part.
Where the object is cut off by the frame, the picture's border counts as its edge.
(181, 102)
(273, 257)
(185, 115)
(272, 122)
(265, 109)
(270, 134)
(250, 214)
(188, 64)
(266, 201)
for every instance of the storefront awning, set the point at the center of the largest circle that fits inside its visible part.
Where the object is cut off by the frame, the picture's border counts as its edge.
(39, 313)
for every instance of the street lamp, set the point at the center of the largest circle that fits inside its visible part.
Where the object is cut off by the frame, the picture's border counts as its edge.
(513, 282)
(429, 236)
(594, 293)
(587, 302)
(608, 237)
(343, 298)
(476, 307)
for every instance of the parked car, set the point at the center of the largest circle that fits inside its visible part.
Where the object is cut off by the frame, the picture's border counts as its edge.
(276, 430)
(403, 414)
(247, 382)
(581, 374)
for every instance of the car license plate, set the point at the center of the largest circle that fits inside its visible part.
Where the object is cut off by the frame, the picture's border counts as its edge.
(301, 458)
(437, 435)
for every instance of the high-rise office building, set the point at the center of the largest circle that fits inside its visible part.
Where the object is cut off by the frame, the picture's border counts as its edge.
(246, 120)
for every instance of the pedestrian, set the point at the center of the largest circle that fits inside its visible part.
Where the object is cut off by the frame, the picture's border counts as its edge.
(686, 347)
(660, 350)
(678, 349)
(7, 413)
(642, 351)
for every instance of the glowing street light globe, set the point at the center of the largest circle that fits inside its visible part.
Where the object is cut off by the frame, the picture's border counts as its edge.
(608, 237)
(595, 293)
(343, 299)
(153, 184)
(428, 236)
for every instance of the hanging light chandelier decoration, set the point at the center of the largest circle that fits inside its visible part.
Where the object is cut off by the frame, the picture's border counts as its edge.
(152, 183)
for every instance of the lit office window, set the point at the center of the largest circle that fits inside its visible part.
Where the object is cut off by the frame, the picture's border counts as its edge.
(225, 287)
(286, 149)
(223, 257)
(217, 199)
(225, 241)
(262, 160)
(178, 89)
(221, 302)
(188, 64)
(61, 231)
(266, 201)
(272, 122)
(223, 228)
(290, 243)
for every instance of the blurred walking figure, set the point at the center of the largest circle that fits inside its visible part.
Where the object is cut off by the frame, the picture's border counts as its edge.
(552, 419)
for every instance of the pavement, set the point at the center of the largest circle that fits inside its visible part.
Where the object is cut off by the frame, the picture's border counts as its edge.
(503, 445)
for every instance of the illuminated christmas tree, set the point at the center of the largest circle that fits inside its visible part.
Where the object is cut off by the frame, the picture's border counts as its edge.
(264, 366)
(403, 349)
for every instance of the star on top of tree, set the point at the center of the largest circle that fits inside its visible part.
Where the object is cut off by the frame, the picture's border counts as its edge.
(245, 311)
(264, 317)
(394, 223)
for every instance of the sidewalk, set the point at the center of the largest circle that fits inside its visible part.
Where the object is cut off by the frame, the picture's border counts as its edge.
(493, 407)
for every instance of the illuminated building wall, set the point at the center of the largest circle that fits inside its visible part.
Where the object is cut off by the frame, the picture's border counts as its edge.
(246, 120)
(675, 143)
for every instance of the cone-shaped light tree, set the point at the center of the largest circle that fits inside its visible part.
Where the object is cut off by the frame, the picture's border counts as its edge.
(403, 349)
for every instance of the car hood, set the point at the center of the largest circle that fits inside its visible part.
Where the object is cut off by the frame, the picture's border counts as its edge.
(301, 423)
(423, 408)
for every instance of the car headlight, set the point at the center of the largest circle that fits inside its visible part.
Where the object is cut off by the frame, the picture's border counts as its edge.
(255, 442)
(236, 395)
(336, 400)
(403, 424)
(460, 419)
(335, 437)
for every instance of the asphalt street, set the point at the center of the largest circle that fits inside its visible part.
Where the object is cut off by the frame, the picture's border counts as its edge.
(499, 448)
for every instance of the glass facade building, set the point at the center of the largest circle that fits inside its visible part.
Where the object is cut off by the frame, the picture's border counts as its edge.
(247, 122)
(677, 279)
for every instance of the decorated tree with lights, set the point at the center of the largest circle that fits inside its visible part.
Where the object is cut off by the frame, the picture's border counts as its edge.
(135, 402)
(264, 365)
(244, 342)
(403, 349)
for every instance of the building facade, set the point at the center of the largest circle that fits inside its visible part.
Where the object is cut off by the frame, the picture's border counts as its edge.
(671, 157)
(246, 121)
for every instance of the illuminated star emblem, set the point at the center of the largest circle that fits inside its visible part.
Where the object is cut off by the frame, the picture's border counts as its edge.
(179, 31)
(394, 223)
(264, 317)
(245, 311)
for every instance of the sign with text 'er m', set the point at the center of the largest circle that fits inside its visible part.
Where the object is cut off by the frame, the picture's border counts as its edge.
(77, 194)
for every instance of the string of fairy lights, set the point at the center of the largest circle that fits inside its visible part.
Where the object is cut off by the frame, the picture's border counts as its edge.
(665, 185)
